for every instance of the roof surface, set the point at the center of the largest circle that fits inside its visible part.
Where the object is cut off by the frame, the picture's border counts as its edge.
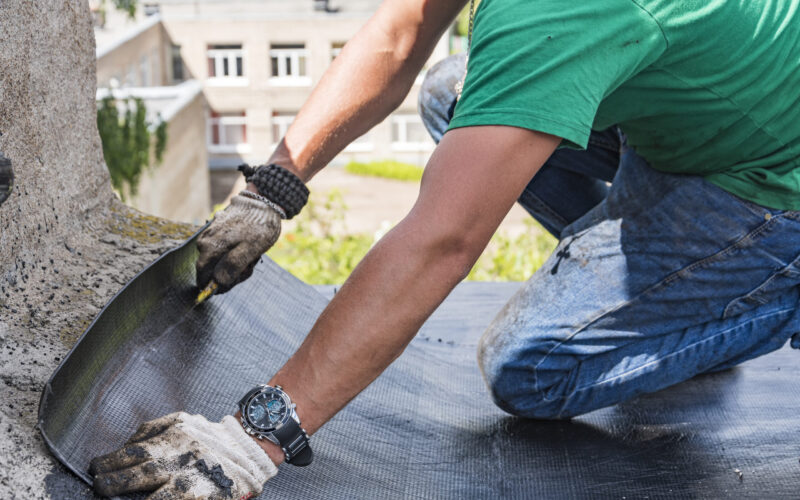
(427, 427)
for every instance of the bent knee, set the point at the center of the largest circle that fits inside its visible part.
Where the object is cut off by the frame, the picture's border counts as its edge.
(437, 95)
(519, 387)
(439, 85)
(519, 400)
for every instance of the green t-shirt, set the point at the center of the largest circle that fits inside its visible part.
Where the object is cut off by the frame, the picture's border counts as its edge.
(705, 87)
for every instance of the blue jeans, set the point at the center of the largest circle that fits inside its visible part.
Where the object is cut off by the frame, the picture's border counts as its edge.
(656, 278)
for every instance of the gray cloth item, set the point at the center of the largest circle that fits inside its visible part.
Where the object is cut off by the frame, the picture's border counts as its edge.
(426, 428)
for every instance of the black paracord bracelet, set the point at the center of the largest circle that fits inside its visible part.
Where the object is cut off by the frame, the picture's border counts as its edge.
(279, 185)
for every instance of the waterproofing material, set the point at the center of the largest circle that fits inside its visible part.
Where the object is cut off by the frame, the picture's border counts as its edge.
(426, 428)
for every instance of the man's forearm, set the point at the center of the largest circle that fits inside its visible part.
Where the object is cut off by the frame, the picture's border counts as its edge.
(366, 82)
(371, 320)
(470, 183)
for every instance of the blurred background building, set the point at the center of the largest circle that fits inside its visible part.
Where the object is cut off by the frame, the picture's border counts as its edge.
(229, 77)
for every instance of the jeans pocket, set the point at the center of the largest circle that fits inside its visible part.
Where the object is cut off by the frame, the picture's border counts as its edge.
(775, 285)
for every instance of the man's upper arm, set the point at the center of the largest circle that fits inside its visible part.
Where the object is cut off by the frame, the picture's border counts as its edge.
(416, 25)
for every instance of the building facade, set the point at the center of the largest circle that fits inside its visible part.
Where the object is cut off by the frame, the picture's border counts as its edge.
(260, 60)
(134, 61)
(257, 62)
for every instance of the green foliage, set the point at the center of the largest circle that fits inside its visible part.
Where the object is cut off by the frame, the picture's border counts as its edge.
(127, 141)
(514, 258)
(161, 140)
(313, 251)
(388, 169)
(128, 6)
(320, 251)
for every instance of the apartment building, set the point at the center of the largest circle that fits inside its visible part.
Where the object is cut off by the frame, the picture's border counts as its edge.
(258, 61)
(255, 63)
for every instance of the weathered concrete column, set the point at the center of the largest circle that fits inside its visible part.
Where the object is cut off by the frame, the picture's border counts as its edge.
(66, 242)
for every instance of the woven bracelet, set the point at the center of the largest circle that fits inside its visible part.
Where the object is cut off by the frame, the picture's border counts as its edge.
(279, 185)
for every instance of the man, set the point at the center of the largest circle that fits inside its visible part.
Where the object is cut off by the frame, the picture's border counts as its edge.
(689, 261)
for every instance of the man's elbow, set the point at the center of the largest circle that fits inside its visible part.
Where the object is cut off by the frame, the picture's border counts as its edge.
(453, 254)
(440, 244)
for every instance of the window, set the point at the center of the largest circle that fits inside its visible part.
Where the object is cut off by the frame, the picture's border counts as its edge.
(289, 64)
(324, 6)
(177, 63)
(227, 133)
(280, 124)
(409, 134)
(225, 62)
(151, 9)
(336, 49)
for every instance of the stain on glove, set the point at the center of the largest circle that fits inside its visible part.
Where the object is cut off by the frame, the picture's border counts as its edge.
(183, 457)
(234, 242)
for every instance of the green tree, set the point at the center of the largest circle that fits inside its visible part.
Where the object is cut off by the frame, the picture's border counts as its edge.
(127, 140)
(128, 6)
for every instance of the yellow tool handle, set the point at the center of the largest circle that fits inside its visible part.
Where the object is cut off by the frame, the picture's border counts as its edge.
(207, 292)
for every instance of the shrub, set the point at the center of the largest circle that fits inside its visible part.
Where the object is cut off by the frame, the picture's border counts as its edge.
(514, 258)
(127, 142)
(320, 251)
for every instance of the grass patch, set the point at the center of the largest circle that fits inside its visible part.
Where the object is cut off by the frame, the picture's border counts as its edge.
(321, 252)
(388, 169)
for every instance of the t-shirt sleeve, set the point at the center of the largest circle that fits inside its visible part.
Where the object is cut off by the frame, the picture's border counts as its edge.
(546, 65)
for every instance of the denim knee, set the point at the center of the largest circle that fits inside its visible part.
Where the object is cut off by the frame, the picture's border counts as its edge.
(437, 95)
(513, 379)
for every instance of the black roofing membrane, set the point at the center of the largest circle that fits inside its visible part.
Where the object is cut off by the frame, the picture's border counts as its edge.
(426, 428)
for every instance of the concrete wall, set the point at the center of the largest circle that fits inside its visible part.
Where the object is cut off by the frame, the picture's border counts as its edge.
(179, 187)
(138, 58)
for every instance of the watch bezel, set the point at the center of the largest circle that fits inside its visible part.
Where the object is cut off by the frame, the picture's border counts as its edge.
(285, 418)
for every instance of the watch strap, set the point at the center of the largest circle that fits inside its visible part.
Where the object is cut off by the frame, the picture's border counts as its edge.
(294, 442)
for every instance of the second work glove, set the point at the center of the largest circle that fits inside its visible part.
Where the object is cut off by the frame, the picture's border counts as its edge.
(185, 457)
(234, 242)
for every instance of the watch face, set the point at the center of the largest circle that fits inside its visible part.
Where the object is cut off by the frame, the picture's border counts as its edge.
(267, 410)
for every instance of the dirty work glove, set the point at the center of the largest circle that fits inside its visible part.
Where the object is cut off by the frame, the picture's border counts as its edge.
(185, 457)
(232, 245)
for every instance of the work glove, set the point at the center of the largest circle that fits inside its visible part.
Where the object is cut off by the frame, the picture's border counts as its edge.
(184, 457)
(234, 242)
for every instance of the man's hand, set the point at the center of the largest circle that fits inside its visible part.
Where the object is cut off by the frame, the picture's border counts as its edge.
(185, 457)
(233, 243)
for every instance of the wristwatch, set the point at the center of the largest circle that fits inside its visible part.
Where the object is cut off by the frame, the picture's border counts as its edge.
(268, 413)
